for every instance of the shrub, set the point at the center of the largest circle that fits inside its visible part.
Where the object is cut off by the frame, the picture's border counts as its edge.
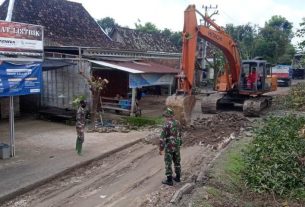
(76, 100)
(294, 100)
(272, 160)
(297, 96)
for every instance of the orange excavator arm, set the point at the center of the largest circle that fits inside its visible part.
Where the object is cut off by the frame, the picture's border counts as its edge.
(183, 104)
(189, 45)
(217, 37)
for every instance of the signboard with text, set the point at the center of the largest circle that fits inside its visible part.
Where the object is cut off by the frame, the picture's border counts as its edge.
(141, 80)
(21, 39)
(20, 79)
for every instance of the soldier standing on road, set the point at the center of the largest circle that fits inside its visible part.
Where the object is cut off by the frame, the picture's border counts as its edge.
(171, 141)
(80, 126)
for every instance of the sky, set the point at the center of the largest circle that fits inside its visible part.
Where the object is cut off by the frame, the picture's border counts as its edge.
(169, 13)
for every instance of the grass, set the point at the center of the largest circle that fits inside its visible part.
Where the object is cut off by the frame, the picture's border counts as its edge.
(143, 121)
(226, 186)
(223, 187)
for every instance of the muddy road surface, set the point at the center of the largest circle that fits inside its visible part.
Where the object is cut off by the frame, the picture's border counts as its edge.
(132, 177)
(126, 178)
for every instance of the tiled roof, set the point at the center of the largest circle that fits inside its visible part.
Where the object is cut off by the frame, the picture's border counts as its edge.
(66, 23)
(142, 41)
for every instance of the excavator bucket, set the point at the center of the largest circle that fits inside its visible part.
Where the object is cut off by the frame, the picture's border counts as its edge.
(182, 106)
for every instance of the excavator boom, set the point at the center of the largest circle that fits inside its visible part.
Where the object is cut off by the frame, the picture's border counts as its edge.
(229, 82)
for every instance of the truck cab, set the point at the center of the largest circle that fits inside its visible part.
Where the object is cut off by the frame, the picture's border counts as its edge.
(283, 74)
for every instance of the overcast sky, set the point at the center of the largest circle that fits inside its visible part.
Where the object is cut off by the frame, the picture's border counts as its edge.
(169, 13)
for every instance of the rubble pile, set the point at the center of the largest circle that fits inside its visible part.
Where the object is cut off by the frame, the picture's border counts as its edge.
(214, 129)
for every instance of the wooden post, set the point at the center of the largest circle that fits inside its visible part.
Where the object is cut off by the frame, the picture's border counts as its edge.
(133, 101)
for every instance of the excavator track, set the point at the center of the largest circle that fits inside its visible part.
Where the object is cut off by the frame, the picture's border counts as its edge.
(254, 106)
(209, 103)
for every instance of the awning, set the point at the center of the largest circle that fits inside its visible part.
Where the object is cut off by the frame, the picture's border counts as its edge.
(115, 66)
(136, 67)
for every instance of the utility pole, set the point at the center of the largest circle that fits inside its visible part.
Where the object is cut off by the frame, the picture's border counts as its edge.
(204, 42)
(11, 108)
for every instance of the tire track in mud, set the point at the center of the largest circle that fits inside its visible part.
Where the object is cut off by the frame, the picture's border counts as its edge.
(128, 178)
(68, 185)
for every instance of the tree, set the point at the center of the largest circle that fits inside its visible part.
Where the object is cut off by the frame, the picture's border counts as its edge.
(96, 86)
(244, 36)
(280, 23)
(167, 32)
(265, 49)
(107, 24)
(274, 39)
(147, 27)
(301, 34)
(287, 58)
(174, 37)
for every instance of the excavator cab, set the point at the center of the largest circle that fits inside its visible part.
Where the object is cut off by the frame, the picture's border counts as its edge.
(242, 82)
(254, 79)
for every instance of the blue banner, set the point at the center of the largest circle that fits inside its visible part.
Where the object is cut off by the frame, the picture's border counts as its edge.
(20, 79)
(140, 80)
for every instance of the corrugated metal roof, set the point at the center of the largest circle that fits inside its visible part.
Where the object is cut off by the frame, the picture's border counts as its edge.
(114, 66)
(137, 67)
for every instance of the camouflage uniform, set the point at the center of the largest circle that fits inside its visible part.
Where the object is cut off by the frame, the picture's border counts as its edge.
(171, 141)
(80, 128)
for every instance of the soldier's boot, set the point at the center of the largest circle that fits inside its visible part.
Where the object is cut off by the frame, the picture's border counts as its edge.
(168, 181)
(177, 178)
(79, 149)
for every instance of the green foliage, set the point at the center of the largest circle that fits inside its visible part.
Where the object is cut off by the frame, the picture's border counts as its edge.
(245, 36)
(301, 34)
(167, 32)
(272, 160)
(280, 23)
(275, 38)
(297, 96)
(76, 100)
(286, 59)
(142, 121)
(107, 24)
(147, 27)
(174, 37)
(272, 42)
(294, 100)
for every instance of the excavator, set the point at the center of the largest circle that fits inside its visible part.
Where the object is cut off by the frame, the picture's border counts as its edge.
(242, 82)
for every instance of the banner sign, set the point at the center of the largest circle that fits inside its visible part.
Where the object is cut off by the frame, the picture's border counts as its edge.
(19, 38)
(140, 80)
(20, 79)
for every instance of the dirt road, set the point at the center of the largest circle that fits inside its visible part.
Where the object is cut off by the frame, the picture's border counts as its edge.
(132, 177)
(127, 178)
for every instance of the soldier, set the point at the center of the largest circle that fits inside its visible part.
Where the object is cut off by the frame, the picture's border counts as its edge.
(171, 141)
(80, 126)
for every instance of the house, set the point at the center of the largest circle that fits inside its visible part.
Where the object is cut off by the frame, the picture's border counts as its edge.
(65, 23)
(72, 41)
